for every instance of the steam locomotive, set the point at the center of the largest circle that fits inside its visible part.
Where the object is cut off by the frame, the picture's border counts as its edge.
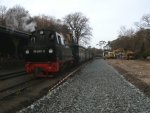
(48, 52)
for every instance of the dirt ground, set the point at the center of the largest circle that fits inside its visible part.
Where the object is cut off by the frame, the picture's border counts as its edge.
(135, 71)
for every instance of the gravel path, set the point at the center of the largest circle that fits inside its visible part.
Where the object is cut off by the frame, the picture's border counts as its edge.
(98, 88)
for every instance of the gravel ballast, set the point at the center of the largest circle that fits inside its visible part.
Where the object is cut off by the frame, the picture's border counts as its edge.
(98, 88)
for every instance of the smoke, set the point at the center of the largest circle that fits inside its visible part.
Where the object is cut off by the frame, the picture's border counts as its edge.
(28, 25)
(18, 18)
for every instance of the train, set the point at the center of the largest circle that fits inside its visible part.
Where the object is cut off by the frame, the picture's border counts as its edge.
(49, 52)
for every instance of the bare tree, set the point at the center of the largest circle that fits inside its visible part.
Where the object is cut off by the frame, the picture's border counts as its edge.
(79, 25)
(146, 20)
(138, 25)
(126, 32)
(3, 11)
(107, 46)
(101, 43)
(144, 23)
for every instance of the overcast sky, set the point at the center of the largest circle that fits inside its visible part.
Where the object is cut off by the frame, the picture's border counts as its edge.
(106, 16)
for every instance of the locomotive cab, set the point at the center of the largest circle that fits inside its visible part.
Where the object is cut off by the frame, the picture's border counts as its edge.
(47, 52)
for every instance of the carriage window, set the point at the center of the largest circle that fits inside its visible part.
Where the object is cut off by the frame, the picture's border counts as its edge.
(61, 40)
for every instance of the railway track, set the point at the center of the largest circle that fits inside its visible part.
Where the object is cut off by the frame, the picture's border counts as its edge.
(11, 75)
(18, 87)
(14, 82)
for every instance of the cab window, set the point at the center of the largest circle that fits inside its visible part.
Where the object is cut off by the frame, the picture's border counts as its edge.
(59, 40)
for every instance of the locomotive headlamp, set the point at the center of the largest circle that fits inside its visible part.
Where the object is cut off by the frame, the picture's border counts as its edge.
(50, 51)
(27, 51)
(41, 32)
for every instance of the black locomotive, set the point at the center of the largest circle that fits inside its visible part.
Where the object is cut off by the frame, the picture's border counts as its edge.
(47, 52)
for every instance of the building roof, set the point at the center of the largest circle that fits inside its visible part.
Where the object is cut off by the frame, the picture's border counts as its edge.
(9, 31)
